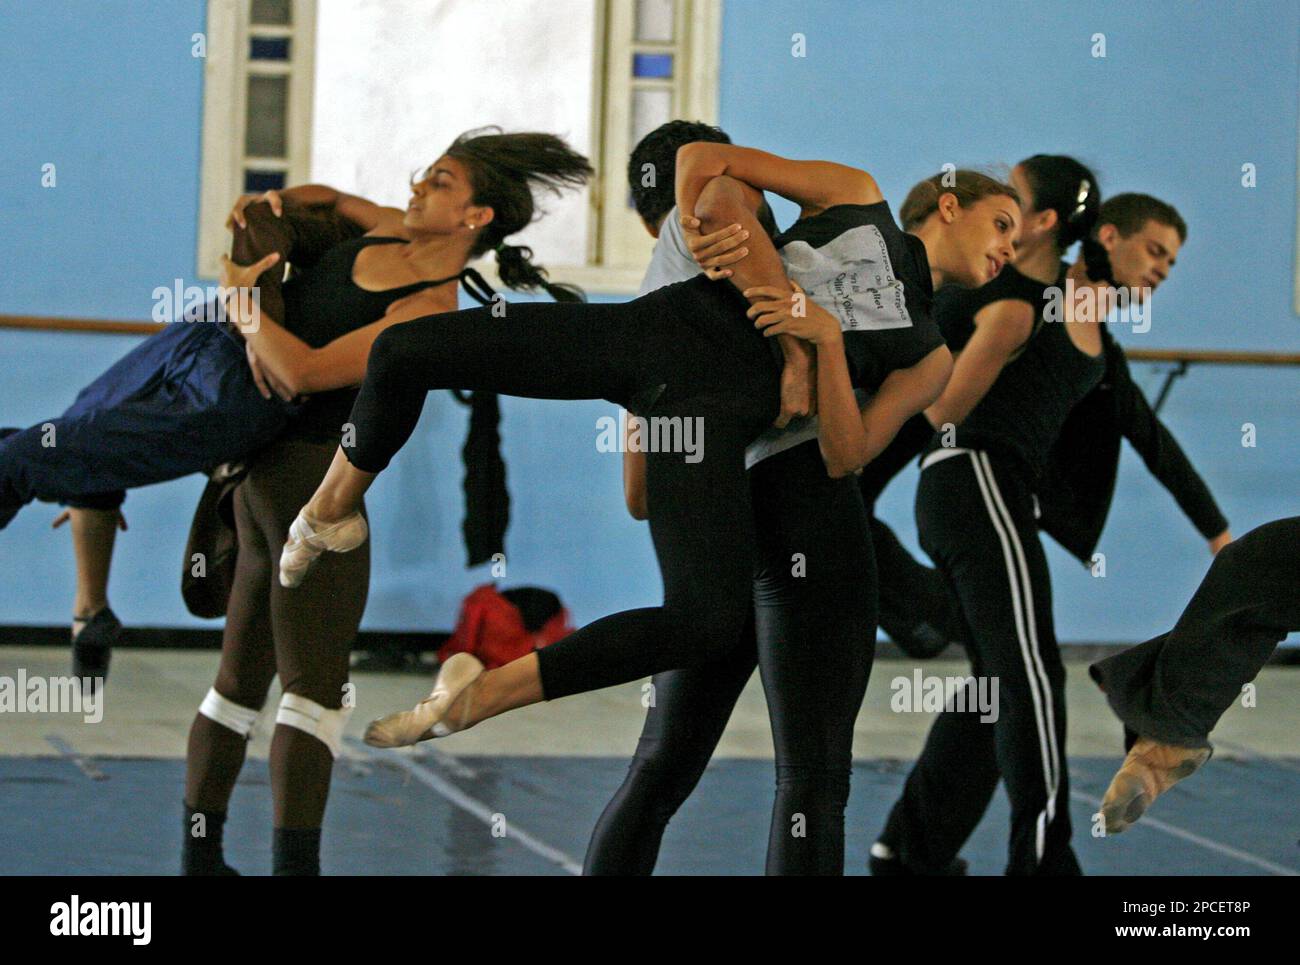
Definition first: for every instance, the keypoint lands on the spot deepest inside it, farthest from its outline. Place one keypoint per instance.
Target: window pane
(654, 20)
(258, 181)
(650, 108)
(267, 100)
(271, 12)
(375, 71)
(268, 48)
(652, 65)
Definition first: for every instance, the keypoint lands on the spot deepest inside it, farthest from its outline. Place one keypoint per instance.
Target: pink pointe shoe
(308, 538)
(428, 718)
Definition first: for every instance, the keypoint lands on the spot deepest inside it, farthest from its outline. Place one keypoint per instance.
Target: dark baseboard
(401, 647)
(195, 638)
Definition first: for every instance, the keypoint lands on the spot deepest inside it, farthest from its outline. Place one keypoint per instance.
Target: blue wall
(110, 93)
(1186, 94)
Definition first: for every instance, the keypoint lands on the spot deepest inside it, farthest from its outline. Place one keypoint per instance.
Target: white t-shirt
(671, 260)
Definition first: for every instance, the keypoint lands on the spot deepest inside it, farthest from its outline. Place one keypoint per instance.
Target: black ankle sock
(201, 852)
(295, 851)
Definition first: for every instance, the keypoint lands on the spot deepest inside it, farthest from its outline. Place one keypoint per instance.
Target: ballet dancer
(1078, 485)
(193, 397)
(976, 517)
(1171, 691)
(812, 627)
(698, 347)
(465, 204)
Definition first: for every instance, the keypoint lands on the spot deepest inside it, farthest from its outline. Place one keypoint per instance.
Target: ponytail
(504, 169)
(965, 185)
(516, 270)
(1068, 187)
(1096, 262)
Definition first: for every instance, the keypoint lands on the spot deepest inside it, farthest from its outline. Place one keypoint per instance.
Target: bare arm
(726, 201)
(903, 394)
(294, 364)
(634, 491)
(1000, 329)
(813, 185)
(365, 214)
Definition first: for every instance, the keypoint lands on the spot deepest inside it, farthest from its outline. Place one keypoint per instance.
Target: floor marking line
(80, 761)
(473, 805)
(1227, 850)
(448, 761)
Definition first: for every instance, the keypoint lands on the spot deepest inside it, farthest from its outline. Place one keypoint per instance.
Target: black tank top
(321, 303)
(1022, 413)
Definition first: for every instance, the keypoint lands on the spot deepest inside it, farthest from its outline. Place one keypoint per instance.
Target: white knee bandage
(228, 714)
(311, 718)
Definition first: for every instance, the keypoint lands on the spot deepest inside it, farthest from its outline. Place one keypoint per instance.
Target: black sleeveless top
(1022, 413)
(321, 303)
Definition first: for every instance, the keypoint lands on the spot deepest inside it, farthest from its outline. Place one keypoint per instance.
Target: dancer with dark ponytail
(691, 345)
(466, 203)
(985, 329)
(1078, 483)
(976, 515)
(195, 395)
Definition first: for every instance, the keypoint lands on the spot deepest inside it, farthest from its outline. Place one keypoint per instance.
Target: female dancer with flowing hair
(690, 351)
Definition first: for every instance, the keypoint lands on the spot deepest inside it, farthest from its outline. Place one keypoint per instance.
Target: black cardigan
(1076, 493)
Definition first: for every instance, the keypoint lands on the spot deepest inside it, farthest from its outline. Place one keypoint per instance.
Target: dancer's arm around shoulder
(365, 214)
(849, 438)
(813, 185)
(295, 365)
(719, 189)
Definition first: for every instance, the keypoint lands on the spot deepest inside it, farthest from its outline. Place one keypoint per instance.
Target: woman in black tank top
(466, 204)
(976, 516)
(986, 328)
(693, 345)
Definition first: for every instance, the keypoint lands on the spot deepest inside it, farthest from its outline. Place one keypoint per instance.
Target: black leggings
(914, 599)
(694, 340)
(812, 638)
(1176, 687)
(976, 521)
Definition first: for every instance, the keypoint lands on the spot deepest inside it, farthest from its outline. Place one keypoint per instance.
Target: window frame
(225, 91)
(618, 246)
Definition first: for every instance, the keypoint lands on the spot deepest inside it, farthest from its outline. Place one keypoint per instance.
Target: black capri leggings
(812, 636)
(719, 380)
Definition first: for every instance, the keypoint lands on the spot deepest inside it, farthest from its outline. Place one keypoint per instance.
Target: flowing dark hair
(1070, 188)
(503, 170)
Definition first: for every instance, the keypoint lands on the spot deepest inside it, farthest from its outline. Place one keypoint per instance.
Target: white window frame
(225, 95)
(618, 246)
